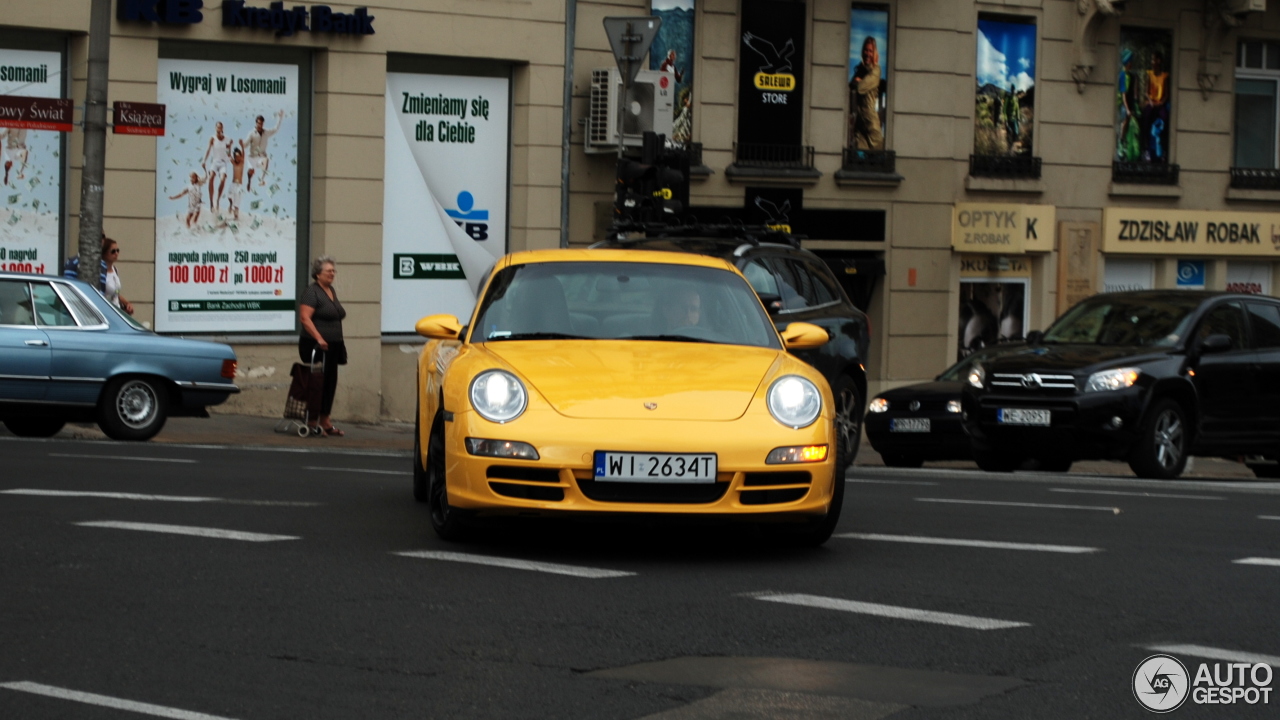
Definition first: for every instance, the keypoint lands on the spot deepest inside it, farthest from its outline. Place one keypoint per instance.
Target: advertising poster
(672, 51)
(1252, 278)
(444, 221)
(226, 197)
(1006, 92)
(868, 77)
(31, 164)
(1143, 107)
(991, 312)
(771, 76)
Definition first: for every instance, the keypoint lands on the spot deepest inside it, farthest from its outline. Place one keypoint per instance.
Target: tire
(902, 461)
(35, 427)
(817, 531)
(1054, 465)
(848, 416)
(419, 473)
(1161, 450)
(132, 408)
(446, 520)
(994, 461)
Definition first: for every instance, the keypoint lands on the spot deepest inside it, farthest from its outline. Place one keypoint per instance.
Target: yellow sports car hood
(630, 379)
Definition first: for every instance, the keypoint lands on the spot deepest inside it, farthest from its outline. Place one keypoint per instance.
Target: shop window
(1123, 274)
(868, 77)
(1144, 108)
(1004, 113)
(1256, 164)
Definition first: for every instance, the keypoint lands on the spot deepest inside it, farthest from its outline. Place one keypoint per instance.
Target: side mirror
(439, 327)
(1034, 337)
(804, 336)
(1217, 342)
(772, 302)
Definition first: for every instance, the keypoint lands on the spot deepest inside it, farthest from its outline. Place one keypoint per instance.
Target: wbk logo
(475, 223)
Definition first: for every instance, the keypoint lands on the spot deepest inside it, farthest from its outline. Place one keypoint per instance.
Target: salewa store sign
(235, 13)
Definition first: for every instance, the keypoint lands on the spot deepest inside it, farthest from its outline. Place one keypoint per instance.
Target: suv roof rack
(622, 233)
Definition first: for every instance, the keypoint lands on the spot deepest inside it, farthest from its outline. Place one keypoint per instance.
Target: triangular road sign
(630, 38)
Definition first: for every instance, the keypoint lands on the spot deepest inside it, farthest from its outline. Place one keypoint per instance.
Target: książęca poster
(31, 164)
(226, 197)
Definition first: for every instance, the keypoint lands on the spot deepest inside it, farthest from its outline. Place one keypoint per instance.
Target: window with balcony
(1255, 162)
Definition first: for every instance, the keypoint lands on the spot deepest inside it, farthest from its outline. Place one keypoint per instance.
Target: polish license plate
(1022, 416)
(655, 467)
(918, 425)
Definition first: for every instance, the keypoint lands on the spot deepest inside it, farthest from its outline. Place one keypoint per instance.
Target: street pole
(95, 141)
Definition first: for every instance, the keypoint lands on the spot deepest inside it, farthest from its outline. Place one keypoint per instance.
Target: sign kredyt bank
(235, 13)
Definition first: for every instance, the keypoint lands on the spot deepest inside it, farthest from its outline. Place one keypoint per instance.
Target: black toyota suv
(795, 286)
(1149, 377)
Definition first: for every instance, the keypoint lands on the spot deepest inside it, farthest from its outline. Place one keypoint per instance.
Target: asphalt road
(199, 582)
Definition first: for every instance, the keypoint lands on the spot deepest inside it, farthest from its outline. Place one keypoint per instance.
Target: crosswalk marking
(358, 470)
(989, 544)
(1271, 562)
(1269, 517)
(890, 611)
(554, 568)
(188, 530)
(889, 482)
(1135, 494)
(1211, 653)
(107, 701)
(124, 457)
(109, 495)
(1106, 508)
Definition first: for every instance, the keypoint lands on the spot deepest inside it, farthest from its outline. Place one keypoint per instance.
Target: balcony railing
(759, 155)
(870, 161)
(1255, 178)
(1013, 167)
(1141, 173)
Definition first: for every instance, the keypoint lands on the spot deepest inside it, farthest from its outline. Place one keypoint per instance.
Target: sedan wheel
(132, 409)
(445, 519)
(1161, 452)
(419, 473)
(848, 416)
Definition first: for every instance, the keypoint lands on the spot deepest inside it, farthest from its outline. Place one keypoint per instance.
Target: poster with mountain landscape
(672, 50)
(1006, 87)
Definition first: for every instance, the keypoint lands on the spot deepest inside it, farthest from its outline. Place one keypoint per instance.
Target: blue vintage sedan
(66, 354)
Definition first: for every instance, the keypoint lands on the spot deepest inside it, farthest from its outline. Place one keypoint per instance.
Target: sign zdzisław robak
(238, 13)
(1189, 232)
(32, 120)
(444, 219)
(227, 197)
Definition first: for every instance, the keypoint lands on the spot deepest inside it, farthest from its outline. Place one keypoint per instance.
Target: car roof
(626, 255)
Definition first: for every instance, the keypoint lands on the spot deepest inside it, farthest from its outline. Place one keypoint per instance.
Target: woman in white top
(111, 253)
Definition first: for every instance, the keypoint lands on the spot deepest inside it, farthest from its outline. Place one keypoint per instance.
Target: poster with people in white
(227, 197)
(444, 220)
(31, 165)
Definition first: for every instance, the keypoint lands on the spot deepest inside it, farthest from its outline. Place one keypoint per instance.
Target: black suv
(795, 286)
(1149, 377)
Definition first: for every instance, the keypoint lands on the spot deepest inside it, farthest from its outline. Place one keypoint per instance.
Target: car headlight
(878, 405)
(794, 401)
(1117, 379)
(977, 376)
(953, 406)
(498, 396)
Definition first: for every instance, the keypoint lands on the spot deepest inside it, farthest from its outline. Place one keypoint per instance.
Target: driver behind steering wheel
(679, 309)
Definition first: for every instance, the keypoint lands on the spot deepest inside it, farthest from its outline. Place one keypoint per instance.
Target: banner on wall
(1006, 91)
(771, 73)
(672, 51)
(445, 199)
(1143, 103)
(1189, 232)
(1122, 274)
(1003, 229)
(31, 163)
(227, 197)
(1248, 277)
(868, 76)
(993, 309)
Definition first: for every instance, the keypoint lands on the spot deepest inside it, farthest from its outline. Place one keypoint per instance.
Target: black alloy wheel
(848, 416)
(1161, 450)
(419, 473)
(132, 408)
(35, 427)
(898, 460)
(445, 519)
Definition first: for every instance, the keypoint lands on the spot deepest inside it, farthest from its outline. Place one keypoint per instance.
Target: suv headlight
(1117, 379)
(878, 405)
(977, 376)
(794, 401)
(498, 396)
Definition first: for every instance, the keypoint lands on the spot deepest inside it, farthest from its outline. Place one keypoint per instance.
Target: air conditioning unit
(1241, 7)
(648, 107)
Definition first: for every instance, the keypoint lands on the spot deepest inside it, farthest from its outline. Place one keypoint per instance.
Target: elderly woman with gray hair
(321, 314)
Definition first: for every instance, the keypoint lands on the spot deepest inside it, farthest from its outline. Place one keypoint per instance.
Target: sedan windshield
(1124, 321)
(622, 301)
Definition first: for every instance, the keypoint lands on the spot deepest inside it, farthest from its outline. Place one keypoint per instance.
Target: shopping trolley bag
(305, 391)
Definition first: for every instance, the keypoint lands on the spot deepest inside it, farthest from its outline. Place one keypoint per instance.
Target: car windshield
(1125, 321)
(622, 301)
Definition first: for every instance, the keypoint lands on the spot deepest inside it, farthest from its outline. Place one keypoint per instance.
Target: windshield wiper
(667, 338)
(537, 336)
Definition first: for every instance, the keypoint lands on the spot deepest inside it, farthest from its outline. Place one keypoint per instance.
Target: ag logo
(474, 222)
(1160, 683)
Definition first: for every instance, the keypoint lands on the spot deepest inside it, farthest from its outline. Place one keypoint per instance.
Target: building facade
(968, 169)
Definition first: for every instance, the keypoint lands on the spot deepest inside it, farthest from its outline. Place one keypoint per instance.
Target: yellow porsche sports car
(624, 381)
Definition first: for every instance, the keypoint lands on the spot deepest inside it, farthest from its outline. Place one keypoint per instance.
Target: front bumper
(561, 480)
(1081, 424)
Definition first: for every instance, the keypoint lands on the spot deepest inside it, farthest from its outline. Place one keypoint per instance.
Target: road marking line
(188, 530)
(106, 701)
(554, 568)
(124, 457)
(992, 544)
(891, 611)
(111, 495)
(1269, 517)
(358, 470)
(1271, 562)
(1210, 653)
(890, 482)
(1135, 494)
(1115, 510)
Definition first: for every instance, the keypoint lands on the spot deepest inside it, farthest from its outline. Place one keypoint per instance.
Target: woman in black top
(321, 316)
